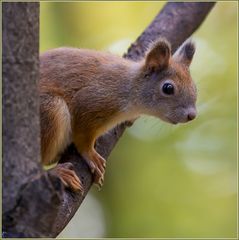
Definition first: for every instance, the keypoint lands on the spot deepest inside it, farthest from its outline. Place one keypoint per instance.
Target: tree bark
(30, 196)
(35, 204)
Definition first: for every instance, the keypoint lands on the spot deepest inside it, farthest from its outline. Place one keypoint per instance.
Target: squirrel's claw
(68, 177)
(97, 164)
(99, 180)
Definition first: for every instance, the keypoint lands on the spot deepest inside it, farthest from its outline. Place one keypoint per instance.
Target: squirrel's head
(169, 92)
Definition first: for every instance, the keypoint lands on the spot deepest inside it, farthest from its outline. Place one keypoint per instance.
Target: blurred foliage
(161, 180)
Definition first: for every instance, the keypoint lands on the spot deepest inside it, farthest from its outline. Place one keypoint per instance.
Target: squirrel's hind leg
(55, 136)
(55, 127)
(68, 176)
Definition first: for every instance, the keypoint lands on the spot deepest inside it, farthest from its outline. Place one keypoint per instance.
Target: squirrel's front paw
(97, 166)
(68, 176)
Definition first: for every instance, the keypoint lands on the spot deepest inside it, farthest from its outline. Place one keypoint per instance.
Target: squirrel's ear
(185, 53)
(158, 56)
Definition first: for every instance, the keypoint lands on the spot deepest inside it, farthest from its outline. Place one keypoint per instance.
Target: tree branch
(43, 199)
(176, 22)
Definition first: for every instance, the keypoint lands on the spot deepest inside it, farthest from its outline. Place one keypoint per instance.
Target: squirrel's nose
(191, 114)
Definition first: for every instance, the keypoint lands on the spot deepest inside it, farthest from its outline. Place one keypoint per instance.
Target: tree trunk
(35, 204)
(28, 193)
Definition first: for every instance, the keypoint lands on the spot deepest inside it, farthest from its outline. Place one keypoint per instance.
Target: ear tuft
(158, 56)
(185, 53)
(189, 50)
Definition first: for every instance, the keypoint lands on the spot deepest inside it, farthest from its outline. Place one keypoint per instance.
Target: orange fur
(84, 93)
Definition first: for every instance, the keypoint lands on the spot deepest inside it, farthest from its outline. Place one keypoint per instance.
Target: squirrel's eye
(168, 88)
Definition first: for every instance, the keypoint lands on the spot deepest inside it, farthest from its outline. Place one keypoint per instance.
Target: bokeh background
(161, 180)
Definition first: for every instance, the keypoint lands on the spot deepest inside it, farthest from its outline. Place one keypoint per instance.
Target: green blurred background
(161, 180)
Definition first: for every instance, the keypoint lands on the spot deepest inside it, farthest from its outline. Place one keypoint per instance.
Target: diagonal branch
(176, 22)
(35, 203)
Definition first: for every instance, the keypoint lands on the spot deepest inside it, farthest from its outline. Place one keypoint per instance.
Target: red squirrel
(84, 93)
